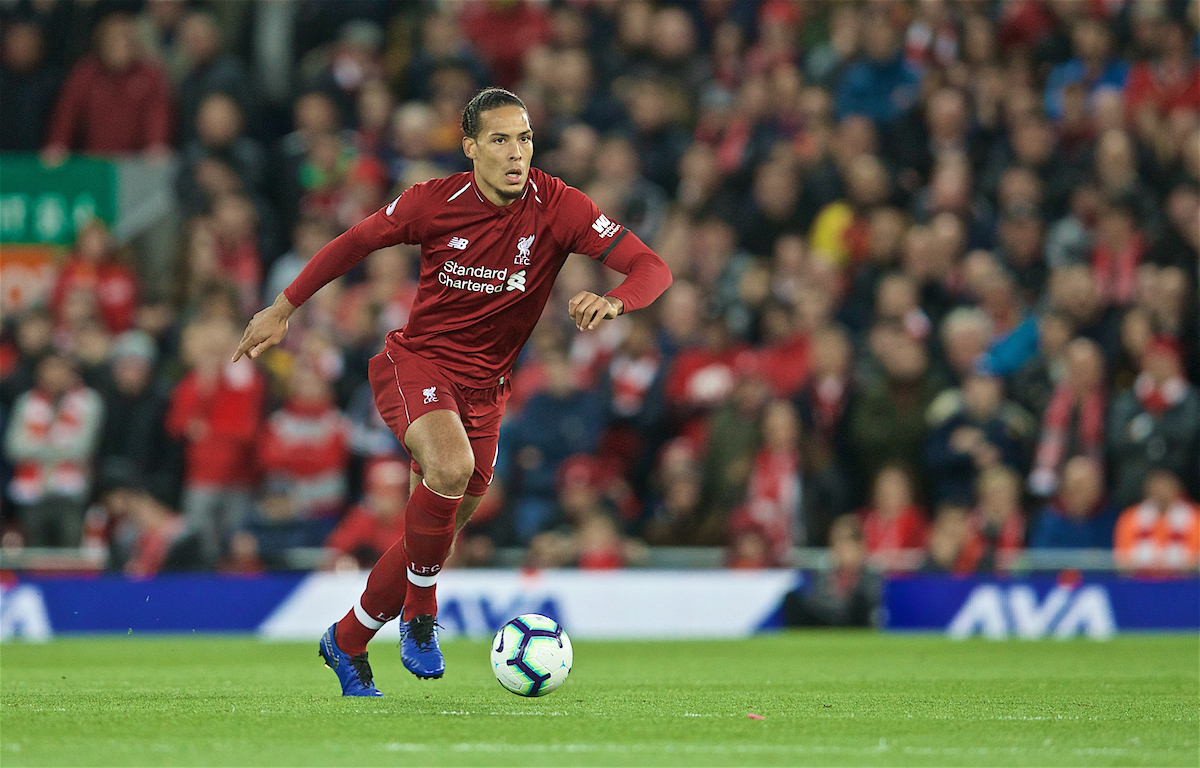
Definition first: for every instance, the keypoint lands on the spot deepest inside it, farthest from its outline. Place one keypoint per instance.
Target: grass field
(828, 699)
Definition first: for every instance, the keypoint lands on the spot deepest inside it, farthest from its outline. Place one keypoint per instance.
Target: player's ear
(469, 147)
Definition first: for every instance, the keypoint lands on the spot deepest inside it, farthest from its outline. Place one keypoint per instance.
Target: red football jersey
(486, 271)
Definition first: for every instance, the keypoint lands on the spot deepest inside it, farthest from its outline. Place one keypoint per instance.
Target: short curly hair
(487, 99)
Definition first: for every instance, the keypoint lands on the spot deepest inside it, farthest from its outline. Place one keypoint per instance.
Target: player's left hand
(588, 309)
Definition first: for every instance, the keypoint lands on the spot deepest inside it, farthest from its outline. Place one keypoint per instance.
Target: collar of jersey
(508, 209)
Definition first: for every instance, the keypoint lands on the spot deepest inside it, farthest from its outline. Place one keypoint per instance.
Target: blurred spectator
(888, 420)
(654, 116)
(823, 406)
(881, 84)
(676, 517)
(216, 410)
(1169, 81)
(632, 387)
(1156, 424)
(209, 70)
(728, 461)
(28, 85)
(1079, 517)
(93, 270)
(776, 207)
(893, 523)
(33, 339)
(1091, 67)
(503, 32)
(218, 139)
(238, 258)
(373, 526)
(587, 535)
(303, 446)
(965, 333)
(113, 101)
(1033, 385)
(149, 537)
(998, 520)
(1161, 534)
(309, 236)
(341, 67)
(971, 430)
(773, 495)
(952, 546)
(638, 202)
(1118, 252)
(134, 441)
(1073, 423)
(442, 43)
(51, 441)
(314, 115)
(845, 595)
(557, 423)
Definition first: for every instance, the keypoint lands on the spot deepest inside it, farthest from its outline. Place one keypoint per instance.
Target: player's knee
(450, 476)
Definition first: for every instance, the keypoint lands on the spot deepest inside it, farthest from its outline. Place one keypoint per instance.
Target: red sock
(380, 602)
(428, 536)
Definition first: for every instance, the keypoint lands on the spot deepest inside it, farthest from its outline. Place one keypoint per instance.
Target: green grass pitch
(827, 699)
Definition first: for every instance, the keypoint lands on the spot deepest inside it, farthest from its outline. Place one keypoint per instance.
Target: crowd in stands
(935, 287)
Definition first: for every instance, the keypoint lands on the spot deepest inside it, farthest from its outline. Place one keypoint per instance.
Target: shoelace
(421, 631)
(361, 668)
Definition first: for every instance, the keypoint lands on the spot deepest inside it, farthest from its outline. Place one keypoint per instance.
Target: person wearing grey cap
(133, 439)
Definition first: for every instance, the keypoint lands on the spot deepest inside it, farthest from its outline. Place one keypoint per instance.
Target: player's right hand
(265, 330)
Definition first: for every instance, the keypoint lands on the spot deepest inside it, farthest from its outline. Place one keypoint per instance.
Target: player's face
(502, 153)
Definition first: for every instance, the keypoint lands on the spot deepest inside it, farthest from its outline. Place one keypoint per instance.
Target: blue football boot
(354, 672)
(419, 647)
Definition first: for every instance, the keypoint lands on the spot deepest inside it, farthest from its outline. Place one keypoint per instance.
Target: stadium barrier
(593, 605)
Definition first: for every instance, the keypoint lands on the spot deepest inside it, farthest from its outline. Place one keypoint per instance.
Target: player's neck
(491, 193)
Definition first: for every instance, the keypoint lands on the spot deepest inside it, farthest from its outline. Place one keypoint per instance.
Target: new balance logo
(430, 394)
(516, 281)
(523, 247)
(460, 243)
(605, 226)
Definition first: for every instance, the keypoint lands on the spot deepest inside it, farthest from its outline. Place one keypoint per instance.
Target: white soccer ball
(531, 655)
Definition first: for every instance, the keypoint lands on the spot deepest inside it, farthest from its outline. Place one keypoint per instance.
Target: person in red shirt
(492, 242)
(1159, 536)
(374, 526)
(113, 102)
(894, 524)
(216, 410)
(305, 446)
(93, 270)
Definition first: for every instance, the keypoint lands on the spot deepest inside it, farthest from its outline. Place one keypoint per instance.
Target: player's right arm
(398, 222)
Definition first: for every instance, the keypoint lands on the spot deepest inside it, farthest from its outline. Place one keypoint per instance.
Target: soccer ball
(531, 655)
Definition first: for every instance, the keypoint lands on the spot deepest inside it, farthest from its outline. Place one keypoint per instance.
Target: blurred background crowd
(935, 292)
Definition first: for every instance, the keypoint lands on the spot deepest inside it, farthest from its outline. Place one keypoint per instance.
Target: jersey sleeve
(401, 221)
(588, 231)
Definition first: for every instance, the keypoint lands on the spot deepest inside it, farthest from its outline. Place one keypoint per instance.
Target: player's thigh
(438, 442)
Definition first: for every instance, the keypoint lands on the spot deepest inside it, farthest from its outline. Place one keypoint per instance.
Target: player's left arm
(591, 232)
(646, 277)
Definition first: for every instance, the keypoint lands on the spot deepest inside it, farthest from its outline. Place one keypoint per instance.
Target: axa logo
(430, 394)
(516, 281)
(998, 613)
(605, 226)
(524, 245)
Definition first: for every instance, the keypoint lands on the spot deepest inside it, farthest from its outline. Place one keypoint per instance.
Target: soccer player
(492, 239)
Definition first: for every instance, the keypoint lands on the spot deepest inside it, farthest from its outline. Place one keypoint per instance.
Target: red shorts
(408, 386)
